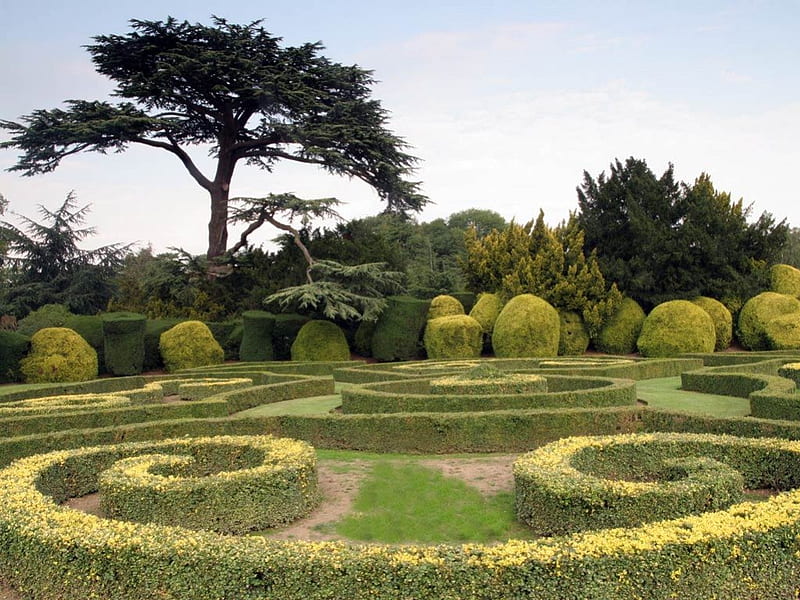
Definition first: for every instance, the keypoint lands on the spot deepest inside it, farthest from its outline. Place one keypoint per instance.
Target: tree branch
(182, 155)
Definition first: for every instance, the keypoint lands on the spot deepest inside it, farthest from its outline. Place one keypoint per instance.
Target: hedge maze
(645, 507)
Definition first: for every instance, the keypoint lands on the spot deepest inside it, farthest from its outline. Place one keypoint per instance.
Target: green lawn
(666, 393)
(409, 503)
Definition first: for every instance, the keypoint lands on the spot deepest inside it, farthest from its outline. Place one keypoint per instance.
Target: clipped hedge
(784, 279)
(266, 482)
(320, 341)
(783, 332)
(444, 306)
(48, 315)
(152, 337)
(455, 336)
(399, 329)
(123, 342)
(189, 344)
(58, 354)
(760, 310)
(13, 348)
(590, 483)
(573, 337)
(527, 326)
(286, 329)
(90, 328)
(416, 395)
(228, 335)
(619, 334)
(676, 327)
(257, 329)
(721, 316)
(486, 310)
(691, 557)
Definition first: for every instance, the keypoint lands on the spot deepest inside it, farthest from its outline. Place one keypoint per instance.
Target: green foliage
(784, 279)
(444, 306)
(527, 326)
(660, 240)
(467, 300)
(453, 336)
(549, 263)
(399, 329)
(123, 335)
(46, 266)
(362, 339)
(58, 354)
(573, 338)
(340, 291)
(676, 327)
(286, 328)
(723, 321)
(49, 315)
(486, 310)
(188, 345)
(320, 341)
(257, 328)
(619, 334)
(760, 310)
(90, 328)
(13, 348)
(783, 332)
(152, 337)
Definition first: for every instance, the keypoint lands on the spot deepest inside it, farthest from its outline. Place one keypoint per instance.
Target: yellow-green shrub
(785, 279)
(573, 338)
(676, 327)
(620, 332)
(721, 316)
(486, 310)
(58, 354)
(527, 326)
(320, 341)
(444, 306)
(189, 344)
(760, 310)
(453, 336)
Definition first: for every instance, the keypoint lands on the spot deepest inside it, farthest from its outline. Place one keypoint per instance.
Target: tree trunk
(218, 225)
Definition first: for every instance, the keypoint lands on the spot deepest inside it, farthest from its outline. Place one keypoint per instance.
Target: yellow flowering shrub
(58, 354)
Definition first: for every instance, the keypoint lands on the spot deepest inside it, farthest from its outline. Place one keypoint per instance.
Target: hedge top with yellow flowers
(36, 532)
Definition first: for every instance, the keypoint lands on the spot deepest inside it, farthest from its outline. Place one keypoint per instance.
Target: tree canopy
(660, 239)
(235, 89)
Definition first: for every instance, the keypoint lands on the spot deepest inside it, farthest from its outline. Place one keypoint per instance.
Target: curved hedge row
(415, 395)
(49, 551)
(264, 482)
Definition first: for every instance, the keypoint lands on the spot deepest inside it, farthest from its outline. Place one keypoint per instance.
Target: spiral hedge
(738, 550)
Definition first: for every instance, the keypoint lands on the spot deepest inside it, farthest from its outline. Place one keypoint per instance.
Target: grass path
(666, 393)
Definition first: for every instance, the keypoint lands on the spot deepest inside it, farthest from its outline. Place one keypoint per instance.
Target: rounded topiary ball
(486, 310)
(676, 327)
(573, 339)
(783, 333)
(785, 279)
(527, 326)
(320, 341)
(721, 316)
(188, 345)
(58, 355)
(619, 334)
(444, 306)
(454, 336)
(760, 310)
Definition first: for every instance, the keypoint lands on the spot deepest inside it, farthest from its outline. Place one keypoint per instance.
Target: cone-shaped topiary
(723, 322)
(320, 340)
(13, 348)
(258, 326)
(573, 339)
(123, 342)
(453, 336)
(189, 344)
(58, 355)
(676, 327)
(527, 326)
(785, 279)
(486, 310)
(619, 334)
(444, 306)
(757, 312)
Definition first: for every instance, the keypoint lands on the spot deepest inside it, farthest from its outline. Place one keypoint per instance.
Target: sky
(505, 103)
